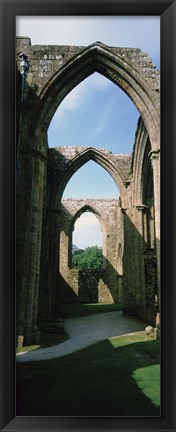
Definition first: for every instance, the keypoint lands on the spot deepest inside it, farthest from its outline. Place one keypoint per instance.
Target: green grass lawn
(71, 310)
(116, 377)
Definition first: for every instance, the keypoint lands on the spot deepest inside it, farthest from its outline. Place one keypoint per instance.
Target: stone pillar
(140, 226)
(64, 247)
(155, 159)
(134, 280)
(152, 228)
(35, 251)
(53, 257)
(30, 190)
(129, 259)
(145, 222)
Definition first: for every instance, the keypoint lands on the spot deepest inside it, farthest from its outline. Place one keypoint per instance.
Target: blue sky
(96, 113)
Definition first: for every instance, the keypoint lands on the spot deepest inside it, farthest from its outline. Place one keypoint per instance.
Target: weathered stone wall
(53, 71)
(150, 279)
(63, 162)
(145, 198)
(132, 263)
(89, 286)
(108, 280)
(46, 60)
(61, 157)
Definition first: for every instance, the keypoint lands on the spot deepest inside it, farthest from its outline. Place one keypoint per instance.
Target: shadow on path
(86, 331)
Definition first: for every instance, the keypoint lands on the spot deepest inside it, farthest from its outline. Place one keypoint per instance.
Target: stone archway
(115, 64)
(86, 208)
(53, 73)
(107, 278)
(64, 162)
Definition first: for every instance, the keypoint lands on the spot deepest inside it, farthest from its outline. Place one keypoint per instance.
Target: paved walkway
(86, 331)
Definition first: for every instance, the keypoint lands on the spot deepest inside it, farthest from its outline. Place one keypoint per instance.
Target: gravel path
(86, 331)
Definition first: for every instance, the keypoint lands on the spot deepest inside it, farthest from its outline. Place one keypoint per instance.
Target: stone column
(134, 256)
(129, 259)
(145, 222)
(30, 190)
(35, 235)
(155, 159)
(53, 257)
(140, 253)
(64, 247)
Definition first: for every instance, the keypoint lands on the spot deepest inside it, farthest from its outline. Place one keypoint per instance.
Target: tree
(90, 258)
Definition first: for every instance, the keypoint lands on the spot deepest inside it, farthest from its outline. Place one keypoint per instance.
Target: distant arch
(79, 160)
(86, 208)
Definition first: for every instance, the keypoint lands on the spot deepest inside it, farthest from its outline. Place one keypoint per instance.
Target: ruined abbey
(45, 221)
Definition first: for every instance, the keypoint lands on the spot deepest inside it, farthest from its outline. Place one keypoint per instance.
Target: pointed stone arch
(96, 155)
(87, 208)
(134, 73)
(134, 81)
(111, 220)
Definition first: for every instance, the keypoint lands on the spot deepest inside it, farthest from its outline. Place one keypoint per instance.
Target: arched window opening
(91, 181)
(87, 242)
(95, 114)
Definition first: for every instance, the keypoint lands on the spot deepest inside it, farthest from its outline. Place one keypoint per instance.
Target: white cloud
(87, 218)
(74, 99)
(72, 102)
(77, 97)
(87, 231)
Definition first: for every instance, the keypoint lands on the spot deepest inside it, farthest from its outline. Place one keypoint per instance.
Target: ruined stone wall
(63, 162)
(108, 280)
(53, 71)
(60, 157)
(45, 60)
(144, 199)
(129, 224)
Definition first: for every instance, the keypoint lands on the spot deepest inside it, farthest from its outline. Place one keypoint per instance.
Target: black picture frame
(166, 9)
